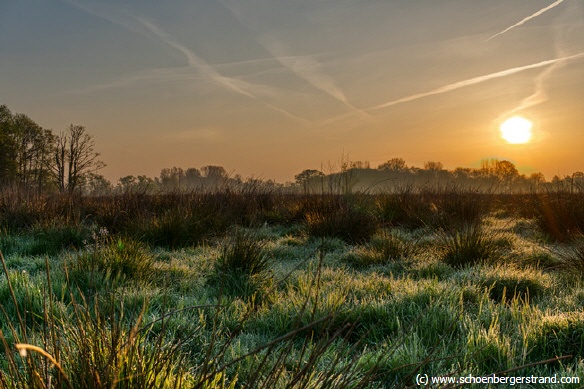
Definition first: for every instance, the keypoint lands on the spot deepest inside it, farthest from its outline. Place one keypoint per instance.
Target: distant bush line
(180, 219)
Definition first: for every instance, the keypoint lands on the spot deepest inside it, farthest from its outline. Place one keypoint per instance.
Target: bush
(335, 216)
(560, 215)
(571, 257)
(406, 209)
(456, 207)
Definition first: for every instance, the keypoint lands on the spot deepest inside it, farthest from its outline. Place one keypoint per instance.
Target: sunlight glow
(516, 130)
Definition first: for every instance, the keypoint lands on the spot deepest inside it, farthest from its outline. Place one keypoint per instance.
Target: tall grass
(345, 217)
(560, 214)
(100, 345)
(160, 300)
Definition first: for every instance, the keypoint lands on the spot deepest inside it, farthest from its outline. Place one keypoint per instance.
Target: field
(263, 289)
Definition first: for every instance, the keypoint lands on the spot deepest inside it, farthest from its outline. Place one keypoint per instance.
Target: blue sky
(271, 87)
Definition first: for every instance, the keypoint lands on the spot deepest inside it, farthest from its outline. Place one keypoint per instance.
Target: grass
(470, 246)
(243, 267)
(263, 296)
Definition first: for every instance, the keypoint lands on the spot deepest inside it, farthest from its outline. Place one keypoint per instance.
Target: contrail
(195, 62)
(539, 95)
(236, 85)
(305, 67)
(541, 11)
(476, 80)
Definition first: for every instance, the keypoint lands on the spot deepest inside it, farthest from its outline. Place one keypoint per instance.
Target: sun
(516, 130)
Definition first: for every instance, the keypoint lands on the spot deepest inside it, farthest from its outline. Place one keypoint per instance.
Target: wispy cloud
(476, 80)
(233, 84)
(309, 69)
(146, 28)
(305, 67)
(525, 20)
(539, 94)
(162, 75)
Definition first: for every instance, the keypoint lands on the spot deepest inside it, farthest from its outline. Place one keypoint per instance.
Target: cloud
(205, 70)
(475, 80)
(306, 67)
(539, 95)
(525, 20)
(233, 84)
(164, 75)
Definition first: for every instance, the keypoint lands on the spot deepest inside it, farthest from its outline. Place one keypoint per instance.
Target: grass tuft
(470, 246)
(243, 266)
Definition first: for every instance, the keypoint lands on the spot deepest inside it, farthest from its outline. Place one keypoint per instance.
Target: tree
(214, 175)
(535, 180)
(433, 166)
(214, 172)
(304, 177)
(98, 185)
(7, 146)
(132, 184)
(397, 164)
(33, 149)
(172, 178)
(505, 170)
(74, 158)
(25, 150)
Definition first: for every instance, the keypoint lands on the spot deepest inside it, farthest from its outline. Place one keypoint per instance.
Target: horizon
(269, 89)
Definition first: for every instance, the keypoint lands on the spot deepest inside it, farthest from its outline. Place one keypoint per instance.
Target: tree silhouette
(74, 157)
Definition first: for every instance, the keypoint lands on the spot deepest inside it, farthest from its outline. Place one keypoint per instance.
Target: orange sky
(268, 88)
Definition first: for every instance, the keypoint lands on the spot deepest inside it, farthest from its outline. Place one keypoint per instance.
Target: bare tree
(74, 157)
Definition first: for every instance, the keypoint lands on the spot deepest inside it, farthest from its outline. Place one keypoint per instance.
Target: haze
(269, 88)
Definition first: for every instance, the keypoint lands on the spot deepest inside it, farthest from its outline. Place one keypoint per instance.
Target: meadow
(258, 288)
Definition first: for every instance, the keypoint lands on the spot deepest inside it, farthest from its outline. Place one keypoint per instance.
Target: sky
(268, 88)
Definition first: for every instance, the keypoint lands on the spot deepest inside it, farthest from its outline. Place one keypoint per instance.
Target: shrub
(335, 216)
(560, 215)
(456, 207)
(571, 257)
(405, 208)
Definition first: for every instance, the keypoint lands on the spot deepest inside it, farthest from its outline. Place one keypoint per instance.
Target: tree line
(35, 158)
